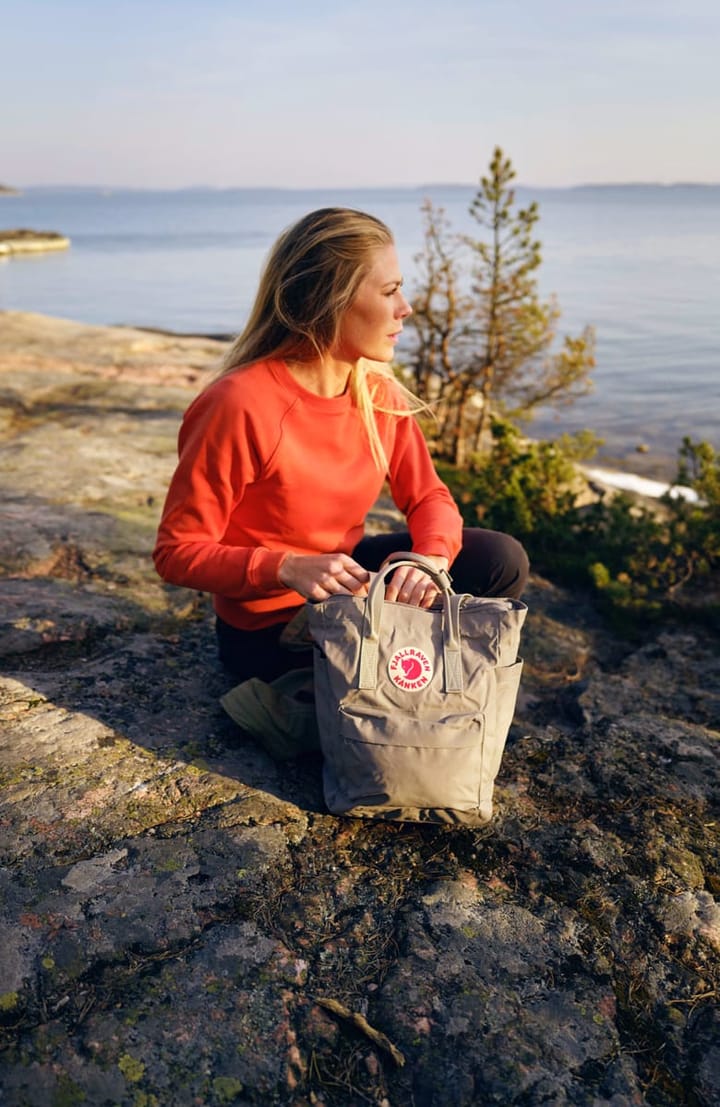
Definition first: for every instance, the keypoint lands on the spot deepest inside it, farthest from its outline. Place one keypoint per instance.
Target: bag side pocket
(507, 683)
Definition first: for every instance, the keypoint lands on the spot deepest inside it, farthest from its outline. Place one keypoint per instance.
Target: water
(641, 264)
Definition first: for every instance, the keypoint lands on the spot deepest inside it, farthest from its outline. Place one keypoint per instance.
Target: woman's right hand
(317, 576)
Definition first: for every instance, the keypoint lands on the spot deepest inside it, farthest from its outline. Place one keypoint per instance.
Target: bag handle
(441, 576)
(374, 604)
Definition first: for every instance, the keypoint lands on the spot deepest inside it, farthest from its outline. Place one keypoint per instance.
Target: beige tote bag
(414, 705)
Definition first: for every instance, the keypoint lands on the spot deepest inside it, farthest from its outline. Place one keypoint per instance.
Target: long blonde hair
(310, 278)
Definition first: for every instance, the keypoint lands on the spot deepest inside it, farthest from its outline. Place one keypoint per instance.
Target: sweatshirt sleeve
(433, 519)
(217, 460)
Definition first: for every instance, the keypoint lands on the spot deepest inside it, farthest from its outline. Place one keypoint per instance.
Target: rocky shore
(181, 922)
(23, 241)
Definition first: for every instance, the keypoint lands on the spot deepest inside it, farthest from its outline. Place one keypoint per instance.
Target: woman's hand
(411, 585)
(317, 576)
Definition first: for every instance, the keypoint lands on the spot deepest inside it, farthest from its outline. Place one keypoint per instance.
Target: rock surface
(23, 241)
(175, 907)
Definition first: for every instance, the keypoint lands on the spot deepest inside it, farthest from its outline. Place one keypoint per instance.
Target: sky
(321, 93)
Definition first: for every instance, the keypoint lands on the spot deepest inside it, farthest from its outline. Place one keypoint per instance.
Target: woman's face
(372, 324)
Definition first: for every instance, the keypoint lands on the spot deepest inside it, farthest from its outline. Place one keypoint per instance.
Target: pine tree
(490, 353)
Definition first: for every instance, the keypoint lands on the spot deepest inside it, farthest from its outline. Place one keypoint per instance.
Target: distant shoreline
(165, 333)
(589, 186)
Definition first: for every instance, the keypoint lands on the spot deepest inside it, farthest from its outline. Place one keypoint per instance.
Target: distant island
(7, 190)
(635, 190)
(23, 241)
(444, 186)
(646, 184)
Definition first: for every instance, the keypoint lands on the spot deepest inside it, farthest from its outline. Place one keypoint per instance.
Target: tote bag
(414, 705)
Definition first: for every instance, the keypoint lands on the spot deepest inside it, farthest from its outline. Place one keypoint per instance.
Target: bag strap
(369, 644)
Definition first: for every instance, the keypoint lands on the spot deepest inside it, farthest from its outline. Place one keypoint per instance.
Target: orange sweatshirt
(266, 467)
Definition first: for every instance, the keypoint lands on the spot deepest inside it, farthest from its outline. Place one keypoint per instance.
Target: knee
(492, 563)
(518, 564)
(512, 565)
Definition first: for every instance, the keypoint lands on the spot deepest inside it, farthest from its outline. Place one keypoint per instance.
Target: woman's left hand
(411, 585)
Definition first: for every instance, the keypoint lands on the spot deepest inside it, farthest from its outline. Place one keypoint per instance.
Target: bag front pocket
(376, 759)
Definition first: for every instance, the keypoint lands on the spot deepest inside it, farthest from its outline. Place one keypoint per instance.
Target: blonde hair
(311, 277)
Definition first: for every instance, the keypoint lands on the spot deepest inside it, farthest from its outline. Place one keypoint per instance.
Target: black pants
(489, 564)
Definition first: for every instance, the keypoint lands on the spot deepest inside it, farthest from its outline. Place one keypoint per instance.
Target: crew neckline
(328, 404)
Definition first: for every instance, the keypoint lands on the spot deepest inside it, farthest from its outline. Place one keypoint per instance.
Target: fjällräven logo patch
(410, 669)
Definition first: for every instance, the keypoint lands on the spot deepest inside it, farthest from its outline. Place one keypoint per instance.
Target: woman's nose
(404, 308)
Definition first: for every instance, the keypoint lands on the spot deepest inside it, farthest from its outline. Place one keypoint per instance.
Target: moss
(132, 1069)
(21, 774)
(146, 1099)
(676, 1017)
(169, 865)
(227, 1088)
(67, 1093)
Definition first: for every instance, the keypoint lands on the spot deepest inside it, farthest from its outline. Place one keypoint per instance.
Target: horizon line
(10, 190)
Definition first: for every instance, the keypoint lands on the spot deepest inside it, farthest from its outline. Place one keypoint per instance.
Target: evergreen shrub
(638, 559)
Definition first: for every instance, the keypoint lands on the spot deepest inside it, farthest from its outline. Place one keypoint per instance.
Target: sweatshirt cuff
(437, 547)
(264, 568)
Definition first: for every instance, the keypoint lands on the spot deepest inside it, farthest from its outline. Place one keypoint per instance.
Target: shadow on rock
(112, 714)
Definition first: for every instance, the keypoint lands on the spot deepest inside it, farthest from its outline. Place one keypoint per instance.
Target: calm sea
(639, 263)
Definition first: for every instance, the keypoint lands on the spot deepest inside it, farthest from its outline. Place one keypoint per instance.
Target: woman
(284, 454)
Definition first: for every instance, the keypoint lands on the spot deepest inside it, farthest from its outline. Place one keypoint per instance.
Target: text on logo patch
(410, 669)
